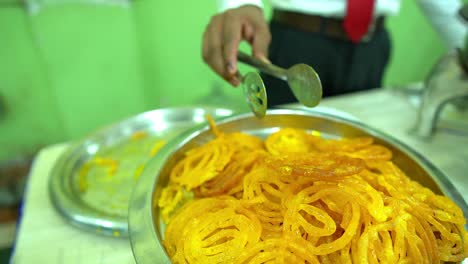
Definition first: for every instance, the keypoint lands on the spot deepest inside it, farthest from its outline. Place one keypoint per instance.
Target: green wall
(70, 69)
(416, 46)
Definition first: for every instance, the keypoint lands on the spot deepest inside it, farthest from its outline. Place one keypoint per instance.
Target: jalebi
(299, 198)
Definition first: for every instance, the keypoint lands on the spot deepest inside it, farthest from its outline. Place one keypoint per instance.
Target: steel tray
(63, 185)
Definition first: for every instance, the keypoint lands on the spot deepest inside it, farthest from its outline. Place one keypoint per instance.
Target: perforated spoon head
(255, 93)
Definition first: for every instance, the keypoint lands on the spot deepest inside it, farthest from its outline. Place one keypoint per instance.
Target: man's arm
(228, 4)
(443, 15)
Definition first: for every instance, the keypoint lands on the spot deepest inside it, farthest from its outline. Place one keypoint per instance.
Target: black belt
(331, 27)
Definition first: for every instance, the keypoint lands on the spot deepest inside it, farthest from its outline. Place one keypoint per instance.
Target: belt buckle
(370, 32)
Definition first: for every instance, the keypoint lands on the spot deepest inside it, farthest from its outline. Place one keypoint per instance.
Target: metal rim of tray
(62, 191)
(144, 238)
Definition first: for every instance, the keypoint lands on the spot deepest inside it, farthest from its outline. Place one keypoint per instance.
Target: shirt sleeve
(228, 4)
(443, 15)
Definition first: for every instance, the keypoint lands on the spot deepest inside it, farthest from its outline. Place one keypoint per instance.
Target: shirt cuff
(443, 15)
(228, 4)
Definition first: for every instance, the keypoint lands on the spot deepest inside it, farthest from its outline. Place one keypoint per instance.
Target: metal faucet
(446, 83)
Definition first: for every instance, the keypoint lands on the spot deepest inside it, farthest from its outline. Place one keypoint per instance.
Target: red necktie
(358, 17)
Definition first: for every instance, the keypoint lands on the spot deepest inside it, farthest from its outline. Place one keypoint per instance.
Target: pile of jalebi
(300, 198)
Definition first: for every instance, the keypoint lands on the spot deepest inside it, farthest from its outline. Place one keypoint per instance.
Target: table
(45, 237)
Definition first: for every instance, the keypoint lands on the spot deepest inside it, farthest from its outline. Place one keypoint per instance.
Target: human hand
(225, 32)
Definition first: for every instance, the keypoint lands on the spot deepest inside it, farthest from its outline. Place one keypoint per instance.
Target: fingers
(212, 49)
(248, 33)
(225, 32)
(261, 41)
(231, 39)
(212, 52)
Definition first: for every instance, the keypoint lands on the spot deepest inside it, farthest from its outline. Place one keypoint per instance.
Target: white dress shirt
(442, 14)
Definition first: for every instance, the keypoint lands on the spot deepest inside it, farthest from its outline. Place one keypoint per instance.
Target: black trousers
(343, 67)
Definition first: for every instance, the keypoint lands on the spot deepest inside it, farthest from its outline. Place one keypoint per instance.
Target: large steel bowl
(145, 225)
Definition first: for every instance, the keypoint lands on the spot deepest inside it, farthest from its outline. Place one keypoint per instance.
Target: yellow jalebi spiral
(316, 166)
(211, 230)
(318, 230)
(264, 192)
(289, 140)
(203, 163)
(230, 179)
(276, 250)
(172, 197)
(344, 145)
(300, 198)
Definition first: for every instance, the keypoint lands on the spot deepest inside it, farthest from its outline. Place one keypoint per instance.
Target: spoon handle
(267, 68)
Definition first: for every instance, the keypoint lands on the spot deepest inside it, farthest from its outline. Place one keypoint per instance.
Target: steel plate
(145, 225)
(104, 209)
